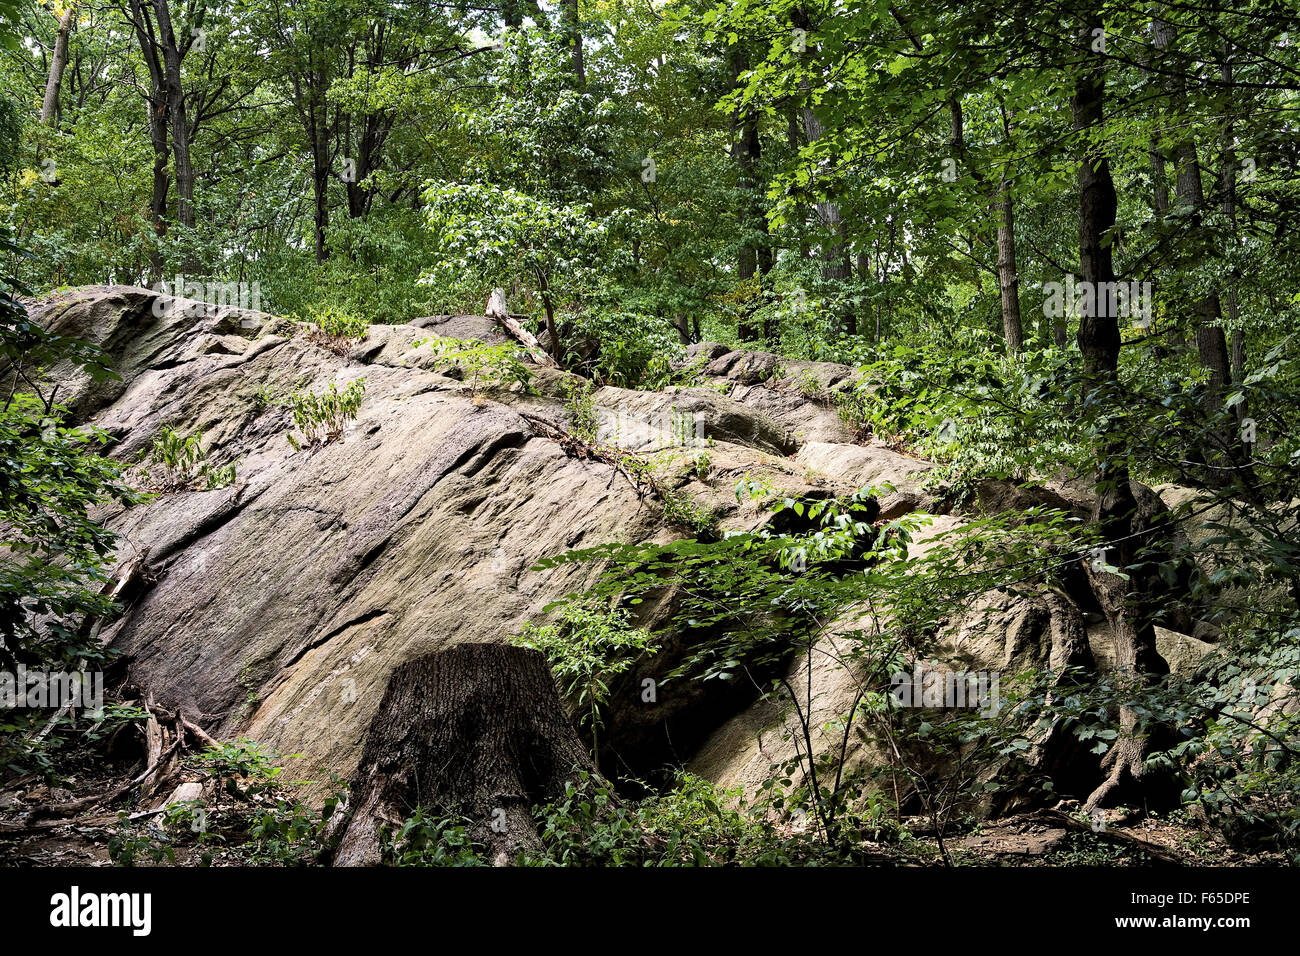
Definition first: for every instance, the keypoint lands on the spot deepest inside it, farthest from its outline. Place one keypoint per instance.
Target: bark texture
(1116, 510)
(58, 63)
(477, 729)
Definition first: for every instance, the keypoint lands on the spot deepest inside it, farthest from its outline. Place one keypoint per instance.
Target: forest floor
(1043, 838)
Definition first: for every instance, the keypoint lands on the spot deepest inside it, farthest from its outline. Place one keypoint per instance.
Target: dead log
(1159, 855)
(476, 729)
(198, 733)
(84, 803)
(496, 310)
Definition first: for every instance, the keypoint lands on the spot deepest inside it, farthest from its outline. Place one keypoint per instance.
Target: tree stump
(476, 729)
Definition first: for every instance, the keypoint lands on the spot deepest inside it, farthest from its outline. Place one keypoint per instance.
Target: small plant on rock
(321, 417)
(177, 462)
(486, 366)
(338, 330)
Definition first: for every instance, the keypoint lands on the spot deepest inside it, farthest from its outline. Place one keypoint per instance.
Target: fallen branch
(496, 310)
(1158, 853)
(85, 803)
(643, 479)
(198, 733)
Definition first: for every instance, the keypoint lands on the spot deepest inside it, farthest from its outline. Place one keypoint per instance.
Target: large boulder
(280, 606)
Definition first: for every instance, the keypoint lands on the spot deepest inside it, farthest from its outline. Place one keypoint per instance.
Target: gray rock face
(279, 606)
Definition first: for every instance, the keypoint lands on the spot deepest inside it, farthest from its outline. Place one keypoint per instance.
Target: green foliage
(339, 329)
(321, 417)
(488, 366)
(587, 649)
(702, 467)
(426, 839)
(581, 408)
(683, 512)
(690, 824)
(255, 820)
(240, 759)
(1241, 766)
(183, 463)
(62, 748)
(56, 558)
(128, 845)
(488, 234)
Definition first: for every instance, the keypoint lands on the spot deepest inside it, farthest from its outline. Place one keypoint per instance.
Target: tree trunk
(1099, 342)
(1210, 340)
(161, 186)
(58, 63)
(1008, 276)
(184, 167)
(476, 729)
(754, 256)
(836, 266)
(1228, 180)
(320, 174)
(156, 103)
(1008, 280)
(573, 36)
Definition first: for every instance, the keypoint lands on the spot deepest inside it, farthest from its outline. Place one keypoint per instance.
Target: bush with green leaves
(56, 559)
(581, 408)
(691, 823)
(321, 417)
(587, 648)
(491, 234)
(433, 839)
(337, 328)
(255, 819)
(751, 602)
(486, 365)
(177, 462)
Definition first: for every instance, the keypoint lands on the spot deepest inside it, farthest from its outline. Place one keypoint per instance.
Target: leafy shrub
(426, 839)
(586, 649)
(581, 408)
(338, 329)
(491, 366)
(183, 462)
(56, 558)
(321, 417)
(257, 820)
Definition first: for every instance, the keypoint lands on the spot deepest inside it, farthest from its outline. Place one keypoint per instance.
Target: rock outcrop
(279, 606)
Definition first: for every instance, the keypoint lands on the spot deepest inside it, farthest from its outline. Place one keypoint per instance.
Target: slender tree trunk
(573, 36)
(161, 185)
(793, 138)
(1159, 179)
(836, 266)
(157, 105)
(173, 56)
(1115, 510)
(1008, 274)
(320, 161)
(754, 255)
(1210, 340)
(58, 63)
(1008, 280)
(1228, 182)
